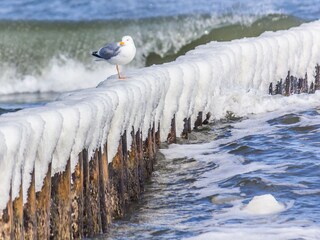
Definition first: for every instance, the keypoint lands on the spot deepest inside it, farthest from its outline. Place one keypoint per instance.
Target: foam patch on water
(264, 204)
(260, 233)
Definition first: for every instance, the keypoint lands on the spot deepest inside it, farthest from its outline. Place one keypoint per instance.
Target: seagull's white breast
(126, 54)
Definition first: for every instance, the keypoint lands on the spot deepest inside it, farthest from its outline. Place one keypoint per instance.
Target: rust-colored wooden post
(6, 221)
(146, 158)
(43, 207)
(149, 154)
(92, 224)
(154, 141)
(198, 122)
(151, 151)
(133, 169)
(157, 136)
(104, 188)
(87, 213)
(140, 156)
(60, 214)
(116, 183)
(29, 211)
(125, 168)
(17, 207)
(77, 200)
(172, 137)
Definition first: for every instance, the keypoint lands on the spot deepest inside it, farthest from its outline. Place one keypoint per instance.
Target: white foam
(260, 233)
(264, 204)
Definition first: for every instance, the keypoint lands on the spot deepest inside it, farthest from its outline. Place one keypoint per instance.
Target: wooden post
(172, 137)
(287, 85)
(300, 85)
(77, 200)
(198, 122)
(6, 221)
(157, 136)
(206, 121)
(149, 154)
(61, 204)
(311, 89)
(43, 207)
(317, 78)
(125, 168)
(116, 183)
(185, 131)
(140, 156)
(154, 145)
(305, 84)
(17, 206)
(29, 211)
(133, 170)
(92, 218)
(104, 188)
(270, 89)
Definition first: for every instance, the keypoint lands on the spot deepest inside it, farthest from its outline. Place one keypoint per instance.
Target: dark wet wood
(186, 128)
(206, 121)
(172, 137)
(125, 157)
(198, 122)
(317, 78)
(293, 85)
(141, 162)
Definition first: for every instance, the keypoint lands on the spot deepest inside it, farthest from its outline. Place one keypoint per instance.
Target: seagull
(119, 53)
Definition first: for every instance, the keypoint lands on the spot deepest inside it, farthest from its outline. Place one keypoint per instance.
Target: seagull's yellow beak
(121, 43)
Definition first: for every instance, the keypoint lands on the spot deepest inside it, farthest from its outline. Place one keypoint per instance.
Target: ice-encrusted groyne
(70, 166)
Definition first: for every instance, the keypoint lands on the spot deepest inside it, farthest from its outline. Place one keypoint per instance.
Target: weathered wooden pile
(83, 203)
(292, 85)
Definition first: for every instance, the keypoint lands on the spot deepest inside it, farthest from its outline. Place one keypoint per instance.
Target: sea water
(46, 46)
(250, 177)
(256, 177)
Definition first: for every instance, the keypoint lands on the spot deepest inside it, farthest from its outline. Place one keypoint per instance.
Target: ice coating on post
(216, 78)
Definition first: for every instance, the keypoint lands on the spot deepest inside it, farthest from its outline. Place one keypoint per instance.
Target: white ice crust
(215, 77)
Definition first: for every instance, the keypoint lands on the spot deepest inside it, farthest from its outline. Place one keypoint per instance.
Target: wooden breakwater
(68, 168)
(293, 85)
(84, 203)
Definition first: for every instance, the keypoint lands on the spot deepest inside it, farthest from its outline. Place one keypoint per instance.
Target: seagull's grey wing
(109, 51)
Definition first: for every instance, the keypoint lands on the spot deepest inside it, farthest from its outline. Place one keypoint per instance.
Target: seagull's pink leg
(119, 72)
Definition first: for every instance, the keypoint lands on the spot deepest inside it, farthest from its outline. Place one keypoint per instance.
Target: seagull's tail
(95, 53)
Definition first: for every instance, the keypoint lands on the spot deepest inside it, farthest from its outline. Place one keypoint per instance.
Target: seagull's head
(126, 40)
